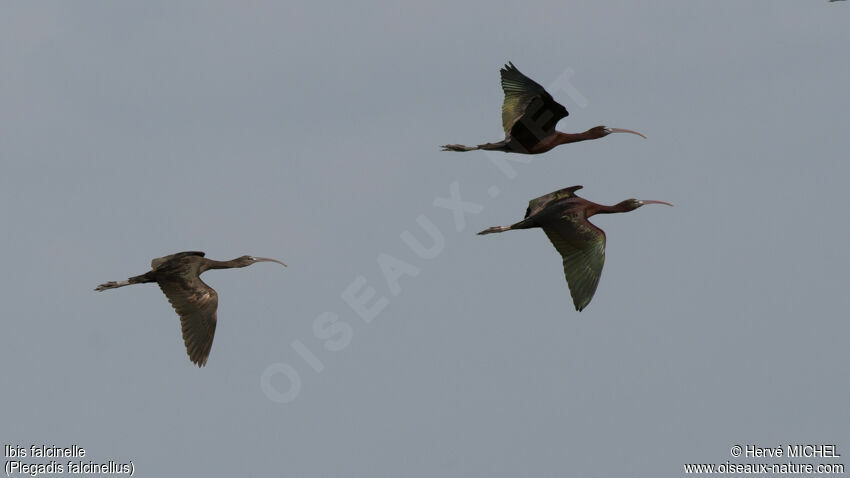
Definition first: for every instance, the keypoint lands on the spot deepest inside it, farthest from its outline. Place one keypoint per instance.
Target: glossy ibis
(178, 275)
(563, 216)
(529, 116)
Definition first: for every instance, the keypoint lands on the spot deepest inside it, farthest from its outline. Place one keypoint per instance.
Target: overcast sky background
(310, 133)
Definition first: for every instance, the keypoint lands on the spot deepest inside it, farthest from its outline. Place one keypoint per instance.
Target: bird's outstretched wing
(529, 113)
(582, 247)
(162, 260)
(196, 303)
(537, 204)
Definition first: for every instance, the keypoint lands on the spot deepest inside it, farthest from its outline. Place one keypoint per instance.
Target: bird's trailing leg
(146, 277)
(500, 146)
(457, 147)
(112, 285)
(494, 229)
(524, 224)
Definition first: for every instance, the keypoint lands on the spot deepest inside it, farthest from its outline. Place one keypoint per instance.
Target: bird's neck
(556, 139)
(218, 265)
(211, 264)
(565, 138)
(594, 208)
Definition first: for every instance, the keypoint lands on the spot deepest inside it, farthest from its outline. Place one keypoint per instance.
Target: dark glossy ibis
(563, 216)
(529, 116)
(178, 275)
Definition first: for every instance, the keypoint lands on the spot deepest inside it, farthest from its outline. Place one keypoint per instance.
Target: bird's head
(248, 260)
(632, 204)
(602, 131)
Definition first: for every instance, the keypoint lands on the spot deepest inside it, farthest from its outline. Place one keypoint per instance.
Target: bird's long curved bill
(649, 201)
(621, 130)
(266, 259)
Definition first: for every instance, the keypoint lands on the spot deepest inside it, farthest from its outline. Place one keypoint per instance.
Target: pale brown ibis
(529, 116)
(178, 275)
(563, 216)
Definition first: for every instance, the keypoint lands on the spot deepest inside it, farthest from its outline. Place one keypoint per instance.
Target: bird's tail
(146, 277)
(500, 146)
(494, 229)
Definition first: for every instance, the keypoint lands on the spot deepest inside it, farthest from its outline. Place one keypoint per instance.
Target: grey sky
(310, 133)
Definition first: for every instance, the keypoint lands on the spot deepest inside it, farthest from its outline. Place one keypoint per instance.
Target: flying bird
(178, 275)
(529, 116)
(563, 216)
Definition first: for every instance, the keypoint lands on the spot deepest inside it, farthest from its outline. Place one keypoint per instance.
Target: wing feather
(538, 204)
(527, 108)
(582, 247)
(196, 304)
(162, 260)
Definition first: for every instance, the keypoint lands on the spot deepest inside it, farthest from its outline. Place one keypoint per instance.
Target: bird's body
(563, 216)
(178, 276)
(529, 116)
